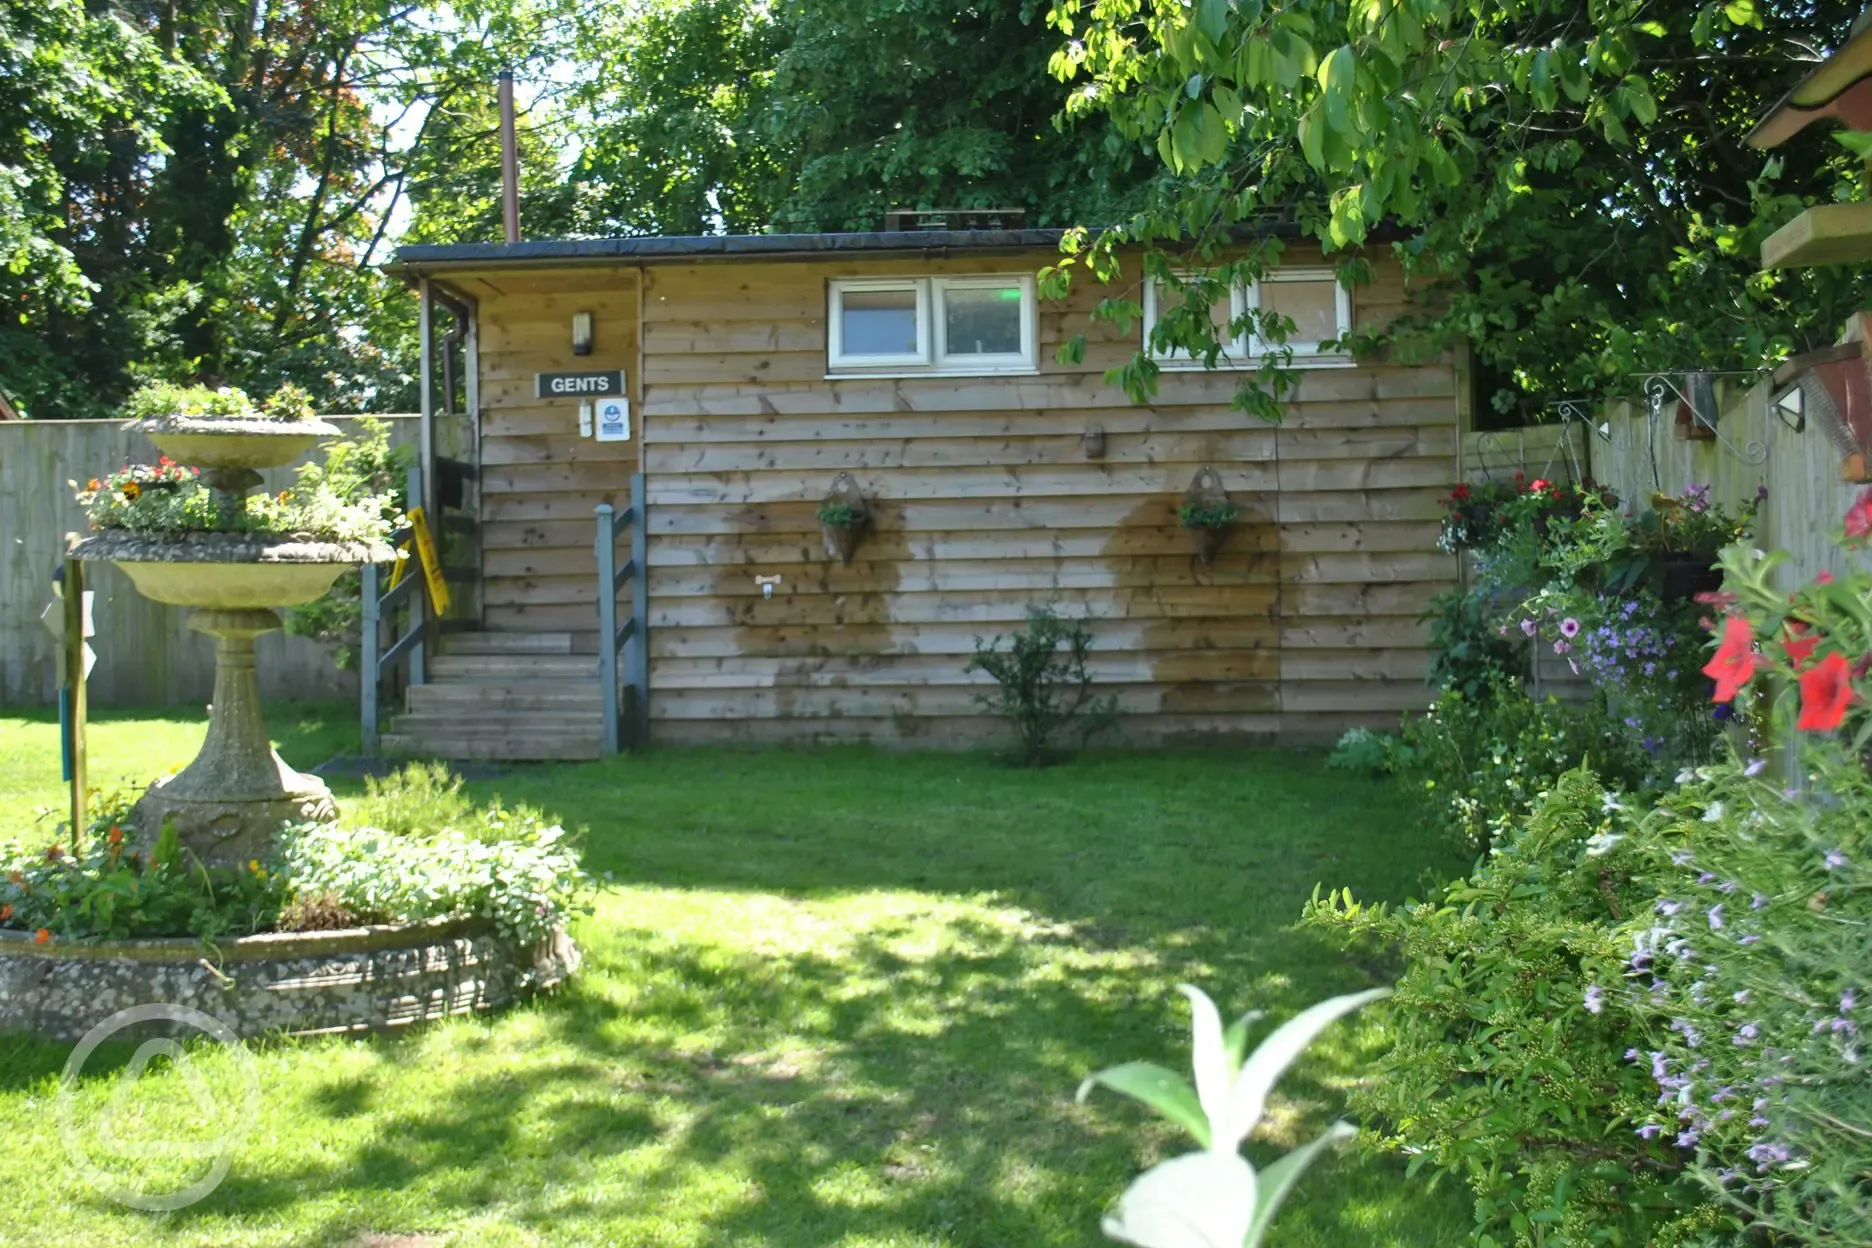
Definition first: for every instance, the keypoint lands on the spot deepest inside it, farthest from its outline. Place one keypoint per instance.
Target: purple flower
(1741, 998)
(1849, 1000)
(1708, 877)
(1569, 627)
(1728, 886)
(1529, 627)
(1748, 940)
(1758, 900)
(1595, 999)
(1834, 860)
(1688, 1139)
(1716, 918)
(1650, 1131)
(1747, 1035)
(1562, 646)
(1761, 493)
(1667, 907)
(1681, 857)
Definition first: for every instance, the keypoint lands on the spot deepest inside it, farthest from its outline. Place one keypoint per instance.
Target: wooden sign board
(599, 385)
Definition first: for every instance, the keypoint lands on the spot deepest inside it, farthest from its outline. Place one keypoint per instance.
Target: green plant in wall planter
(1207, 512)
(843, 518)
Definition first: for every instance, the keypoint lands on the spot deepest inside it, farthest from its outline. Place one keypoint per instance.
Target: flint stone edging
(292, 983)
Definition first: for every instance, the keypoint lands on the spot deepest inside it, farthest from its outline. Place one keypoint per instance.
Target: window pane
(982, 320)
(1221, 312)
(879, 322)
(1313, 306)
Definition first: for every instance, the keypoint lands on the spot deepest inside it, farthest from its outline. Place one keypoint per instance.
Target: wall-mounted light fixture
(581, 333)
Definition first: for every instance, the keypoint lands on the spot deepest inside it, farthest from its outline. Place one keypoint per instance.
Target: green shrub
(1504, 1070)
(1042, 685)
(1755, 966)
(1468, 651)
(1479, 763)
(424, 798)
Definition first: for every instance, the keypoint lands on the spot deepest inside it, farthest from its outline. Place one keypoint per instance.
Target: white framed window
(950, 326)
(1313, 298)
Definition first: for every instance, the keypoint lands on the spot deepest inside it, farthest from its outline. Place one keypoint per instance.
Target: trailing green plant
(1214, 1198)
(1469, 652)
(1753, 965)
(839, 513)
(161, 400)
(526, 884)
(1508, 1068)
(364, 470)
(1042, 684)
(1207, 515)
(165, 500)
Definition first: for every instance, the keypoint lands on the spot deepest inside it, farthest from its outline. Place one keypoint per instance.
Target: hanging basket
(1207, 512)
(843, 518)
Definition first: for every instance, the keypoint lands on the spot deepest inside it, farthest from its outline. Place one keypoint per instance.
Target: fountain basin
(230, 570)
(291, 983)
(234, 443)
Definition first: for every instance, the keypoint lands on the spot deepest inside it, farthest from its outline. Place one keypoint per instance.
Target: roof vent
(912, 220)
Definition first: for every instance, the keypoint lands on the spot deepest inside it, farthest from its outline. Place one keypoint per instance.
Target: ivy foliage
(1567, 180)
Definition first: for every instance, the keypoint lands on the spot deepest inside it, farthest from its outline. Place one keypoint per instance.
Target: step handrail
(374, 659)
(630, 637)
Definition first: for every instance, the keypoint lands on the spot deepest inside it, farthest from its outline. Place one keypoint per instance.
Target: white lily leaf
(1209, 1062)
(1198, 1200)
(1267, 1063)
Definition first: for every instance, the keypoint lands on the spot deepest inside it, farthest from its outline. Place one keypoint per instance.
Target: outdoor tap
(766, 584)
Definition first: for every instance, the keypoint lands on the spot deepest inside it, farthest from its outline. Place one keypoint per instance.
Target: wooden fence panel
(146, 654)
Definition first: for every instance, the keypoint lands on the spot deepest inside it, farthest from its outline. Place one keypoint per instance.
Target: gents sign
(578, 385)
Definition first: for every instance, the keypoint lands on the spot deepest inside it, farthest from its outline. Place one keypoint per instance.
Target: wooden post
(637, 668)
(421, 618)
(370, 647)
(607, 626)
(75, 687)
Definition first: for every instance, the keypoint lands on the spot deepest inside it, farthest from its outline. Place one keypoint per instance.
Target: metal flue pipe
(510, 160)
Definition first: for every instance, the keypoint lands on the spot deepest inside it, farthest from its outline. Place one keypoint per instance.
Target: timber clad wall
(985, 504)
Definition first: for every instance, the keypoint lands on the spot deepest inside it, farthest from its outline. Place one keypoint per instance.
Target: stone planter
(233, 798)
(246, 444)
(291, 983)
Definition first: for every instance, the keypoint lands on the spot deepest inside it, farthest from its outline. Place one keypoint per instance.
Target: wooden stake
(75, 683)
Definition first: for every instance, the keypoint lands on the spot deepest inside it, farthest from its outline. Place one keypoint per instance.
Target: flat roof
(704, 246)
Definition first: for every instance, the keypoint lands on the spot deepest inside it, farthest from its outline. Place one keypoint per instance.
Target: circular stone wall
(292, 983)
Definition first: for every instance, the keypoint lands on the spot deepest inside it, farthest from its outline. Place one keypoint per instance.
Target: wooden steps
(503, 696)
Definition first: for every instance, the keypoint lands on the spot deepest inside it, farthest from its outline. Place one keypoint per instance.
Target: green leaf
(1165, 1091)
(1212, 18)
(1337, 74)
(1638, 96)
(1740, 12)
(1277, 1180)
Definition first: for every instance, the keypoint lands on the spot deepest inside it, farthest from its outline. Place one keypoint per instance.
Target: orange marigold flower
(1825, 690)
(6, 912)
(115, 835)
(43, 936)
(1734, 662)
(92, 485)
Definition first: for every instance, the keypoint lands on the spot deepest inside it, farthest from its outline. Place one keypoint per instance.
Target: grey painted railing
(632, 636)
(374, 658)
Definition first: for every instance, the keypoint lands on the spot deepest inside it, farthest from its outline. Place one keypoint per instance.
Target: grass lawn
(836, 998)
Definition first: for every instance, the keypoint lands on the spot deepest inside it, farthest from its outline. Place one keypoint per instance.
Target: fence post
(638, 667)
(370, 648)
(607, 626)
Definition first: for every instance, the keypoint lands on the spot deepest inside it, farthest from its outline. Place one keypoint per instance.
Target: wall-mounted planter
(843, 518)
(1207, 512)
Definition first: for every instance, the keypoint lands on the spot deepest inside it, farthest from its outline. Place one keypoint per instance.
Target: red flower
(1859, 516)
(1540, 484)
(1799, 645)
(1734, 661)
(43, 936)
(1460, 494)
(1825, 578)
(1825, 689)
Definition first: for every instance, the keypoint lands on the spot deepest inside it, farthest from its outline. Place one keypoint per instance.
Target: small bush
(1479, 763)
(319, 912)
(1042, 685)
(1754, 965)
(1467, 650)
(1505, 1071)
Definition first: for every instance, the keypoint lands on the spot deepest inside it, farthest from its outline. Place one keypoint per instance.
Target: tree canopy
(1568, 177)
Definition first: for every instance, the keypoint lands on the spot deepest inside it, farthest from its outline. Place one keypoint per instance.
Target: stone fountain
(229, 803)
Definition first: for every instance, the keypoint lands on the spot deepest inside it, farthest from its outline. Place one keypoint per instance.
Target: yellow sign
(431, 564)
